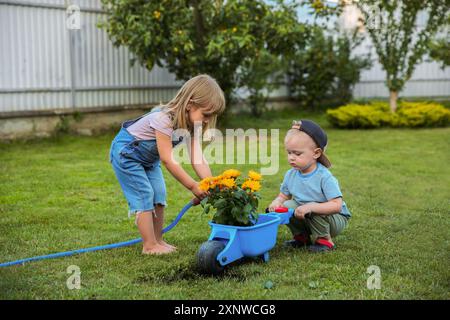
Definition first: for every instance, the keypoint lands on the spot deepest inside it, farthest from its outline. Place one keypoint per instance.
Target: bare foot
(163, 243)
(156, 249)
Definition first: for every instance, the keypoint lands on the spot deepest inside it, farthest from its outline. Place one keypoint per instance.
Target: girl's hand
(195, 201)
(200, 194)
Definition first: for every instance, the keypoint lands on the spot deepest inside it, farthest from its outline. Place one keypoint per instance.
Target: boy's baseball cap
(319, 136)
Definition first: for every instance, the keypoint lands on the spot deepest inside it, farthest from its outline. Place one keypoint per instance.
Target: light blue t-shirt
(317, 186)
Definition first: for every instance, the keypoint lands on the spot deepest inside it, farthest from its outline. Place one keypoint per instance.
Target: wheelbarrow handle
(308, 215)
(285, 214)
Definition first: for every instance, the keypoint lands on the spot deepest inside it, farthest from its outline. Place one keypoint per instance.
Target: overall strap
(128, 123)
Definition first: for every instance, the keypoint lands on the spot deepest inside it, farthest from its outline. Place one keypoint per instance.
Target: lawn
(61, 194)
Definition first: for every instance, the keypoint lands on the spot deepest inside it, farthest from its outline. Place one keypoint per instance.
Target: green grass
(61, 194)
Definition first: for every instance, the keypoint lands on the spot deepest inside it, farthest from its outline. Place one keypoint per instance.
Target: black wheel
(207, 257)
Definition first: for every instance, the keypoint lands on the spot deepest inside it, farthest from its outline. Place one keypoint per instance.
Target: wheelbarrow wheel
(207, 257)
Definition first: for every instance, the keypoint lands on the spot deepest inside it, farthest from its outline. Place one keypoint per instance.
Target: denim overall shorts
(137, 166)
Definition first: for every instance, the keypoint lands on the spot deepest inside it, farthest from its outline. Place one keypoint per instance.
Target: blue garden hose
(108, 246)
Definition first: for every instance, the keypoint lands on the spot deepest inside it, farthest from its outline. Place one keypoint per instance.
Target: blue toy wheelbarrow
(227, 244)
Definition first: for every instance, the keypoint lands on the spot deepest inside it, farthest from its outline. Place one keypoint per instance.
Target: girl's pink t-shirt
(144, 128)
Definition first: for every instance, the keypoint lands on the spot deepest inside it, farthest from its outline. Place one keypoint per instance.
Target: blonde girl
(144, 143)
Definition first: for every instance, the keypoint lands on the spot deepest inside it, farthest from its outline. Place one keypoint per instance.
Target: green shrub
(355, 116)
(325, 71)
(377, 114)
(422, 114)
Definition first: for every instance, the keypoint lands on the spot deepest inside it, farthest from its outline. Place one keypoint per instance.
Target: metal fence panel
(46, 66)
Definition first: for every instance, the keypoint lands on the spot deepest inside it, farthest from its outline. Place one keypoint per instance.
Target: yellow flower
(252, 185)
(231, 173)
(215, 181)
(157, 14)
(205, 184)
(234, 29)
(229, 183)
(254, 175)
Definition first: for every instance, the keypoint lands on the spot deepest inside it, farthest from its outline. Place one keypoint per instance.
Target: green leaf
(221, 203)
(204, 201)
(235, 212)
(248, 208)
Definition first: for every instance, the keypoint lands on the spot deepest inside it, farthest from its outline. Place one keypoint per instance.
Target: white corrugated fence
(44, 65)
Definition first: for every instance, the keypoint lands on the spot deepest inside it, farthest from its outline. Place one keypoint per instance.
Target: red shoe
(322, 245)
(299, 241)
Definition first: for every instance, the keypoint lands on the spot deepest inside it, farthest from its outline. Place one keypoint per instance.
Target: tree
(440, 47)
(400, 44)
(261, 75)
(189, 37)
(392, 26)
(325, 72)
(440, 51)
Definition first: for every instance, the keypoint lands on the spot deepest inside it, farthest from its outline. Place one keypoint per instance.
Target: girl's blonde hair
(204, 92)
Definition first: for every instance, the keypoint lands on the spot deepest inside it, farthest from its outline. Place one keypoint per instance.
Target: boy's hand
(278, 202)
(302, 211)
(275, 204)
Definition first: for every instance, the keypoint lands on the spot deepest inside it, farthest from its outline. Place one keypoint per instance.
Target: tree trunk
(199, 25)
(393, 100)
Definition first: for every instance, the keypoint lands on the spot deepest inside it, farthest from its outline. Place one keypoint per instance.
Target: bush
(422, 114)
(325, 72)
(376, 114)
(202, 36)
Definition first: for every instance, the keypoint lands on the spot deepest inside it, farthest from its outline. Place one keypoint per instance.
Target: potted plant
(234, 199)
